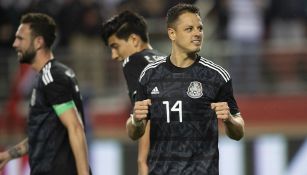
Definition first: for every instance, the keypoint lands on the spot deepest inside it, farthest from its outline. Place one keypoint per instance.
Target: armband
(61, 108)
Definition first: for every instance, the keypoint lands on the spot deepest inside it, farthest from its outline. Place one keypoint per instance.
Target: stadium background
(261, 42)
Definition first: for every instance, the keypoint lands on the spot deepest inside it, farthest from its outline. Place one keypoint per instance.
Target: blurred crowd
(74, 16)
(250, 28)
(85, 16)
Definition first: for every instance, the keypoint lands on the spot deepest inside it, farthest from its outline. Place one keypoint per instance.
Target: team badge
(195, 90)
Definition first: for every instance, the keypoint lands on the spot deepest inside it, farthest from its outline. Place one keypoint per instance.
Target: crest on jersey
(195, 90)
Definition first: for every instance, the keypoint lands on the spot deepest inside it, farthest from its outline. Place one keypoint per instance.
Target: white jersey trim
(126, 60)
(150, 66)
(47, 77)
(215, 67)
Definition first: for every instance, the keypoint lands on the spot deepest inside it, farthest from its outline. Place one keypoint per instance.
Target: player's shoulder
(54, 71)
(148, 53)
(152, 66)
(144, 57)
(214, 68)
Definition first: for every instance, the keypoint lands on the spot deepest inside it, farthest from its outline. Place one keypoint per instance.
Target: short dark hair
(177, 10)
(41, 25)
(123, 25)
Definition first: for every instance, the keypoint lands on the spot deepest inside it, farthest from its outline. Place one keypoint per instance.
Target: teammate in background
(56, 141)
(185, 95)
(127, 36)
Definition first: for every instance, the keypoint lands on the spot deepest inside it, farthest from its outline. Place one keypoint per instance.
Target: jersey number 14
(177, 107)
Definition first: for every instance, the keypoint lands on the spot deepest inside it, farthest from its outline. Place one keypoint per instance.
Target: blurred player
(126, 34)
(184, 95)
(56, 141)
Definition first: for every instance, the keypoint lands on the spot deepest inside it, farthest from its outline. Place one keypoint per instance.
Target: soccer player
(184, 95)
(127, 36)
(55, 141)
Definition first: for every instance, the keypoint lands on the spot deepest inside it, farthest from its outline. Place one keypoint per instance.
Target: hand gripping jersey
(184, 129)
(49, 148)
(133, 66)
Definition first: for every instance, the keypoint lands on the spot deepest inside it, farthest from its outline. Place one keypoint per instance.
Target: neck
(182, 60)
(144, 46)
(42, 57)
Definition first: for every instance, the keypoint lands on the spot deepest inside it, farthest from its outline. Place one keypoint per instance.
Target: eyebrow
(19, 37)
(113, 45)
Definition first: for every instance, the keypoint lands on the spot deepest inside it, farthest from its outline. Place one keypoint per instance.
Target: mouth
(19, 53)
(196, 42)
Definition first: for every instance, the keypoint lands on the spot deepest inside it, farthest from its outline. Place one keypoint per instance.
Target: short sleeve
(132, 71)
(58, 90)
(226, 95)
(141, 93)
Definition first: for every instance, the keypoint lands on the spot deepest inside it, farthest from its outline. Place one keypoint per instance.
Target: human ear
(135, 39)
(38, 42)
(171, 33)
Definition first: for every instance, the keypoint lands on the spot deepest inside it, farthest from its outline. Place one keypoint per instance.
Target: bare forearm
(79, 148)
(142, 168)
(143, 151)
(235, 127)
(19, 150)
(135, 131)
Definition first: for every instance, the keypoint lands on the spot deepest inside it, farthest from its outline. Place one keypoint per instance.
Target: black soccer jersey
(133, 66)
(49, 148)
(184, 129)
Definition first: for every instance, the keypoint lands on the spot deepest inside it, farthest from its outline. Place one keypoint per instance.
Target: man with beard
(184, 95)
(56, 141)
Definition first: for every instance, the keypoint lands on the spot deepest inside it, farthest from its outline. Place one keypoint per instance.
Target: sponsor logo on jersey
(195, 90)
(77, 88)
(70, 73)
(33, 97)
(155, 91)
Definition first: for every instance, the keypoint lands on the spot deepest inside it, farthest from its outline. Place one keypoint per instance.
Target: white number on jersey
(177, 107)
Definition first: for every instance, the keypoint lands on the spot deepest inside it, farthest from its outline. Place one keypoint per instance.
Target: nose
(198, 33)
(114, 54)
(15, 44)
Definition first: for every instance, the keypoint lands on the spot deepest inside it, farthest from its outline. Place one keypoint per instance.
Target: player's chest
(38, 99)
(183, 99)
(182, 88)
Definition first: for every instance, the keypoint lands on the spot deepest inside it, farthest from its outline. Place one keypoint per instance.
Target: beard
(28, 56)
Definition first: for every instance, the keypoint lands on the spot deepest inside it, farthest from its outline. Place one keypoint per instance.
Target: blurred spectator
(302, 70)
(68, 20)
(245, 30)
(150, 8)
(90, 21)
(6, 30)
(286, 19)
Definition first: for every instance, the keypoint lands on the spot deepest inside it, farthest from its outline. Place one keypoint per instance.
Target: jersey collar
(174, 68)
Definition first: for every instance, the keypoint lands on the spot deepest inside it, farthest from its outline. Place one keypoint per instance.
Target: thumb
(148, 101)
(213, 105)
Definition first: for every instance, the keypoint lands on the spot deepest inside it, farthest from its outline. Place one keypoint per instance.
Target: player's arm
(70, 118)
(14, 152)
(137, 121)
(143, 149)
(234, 124)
